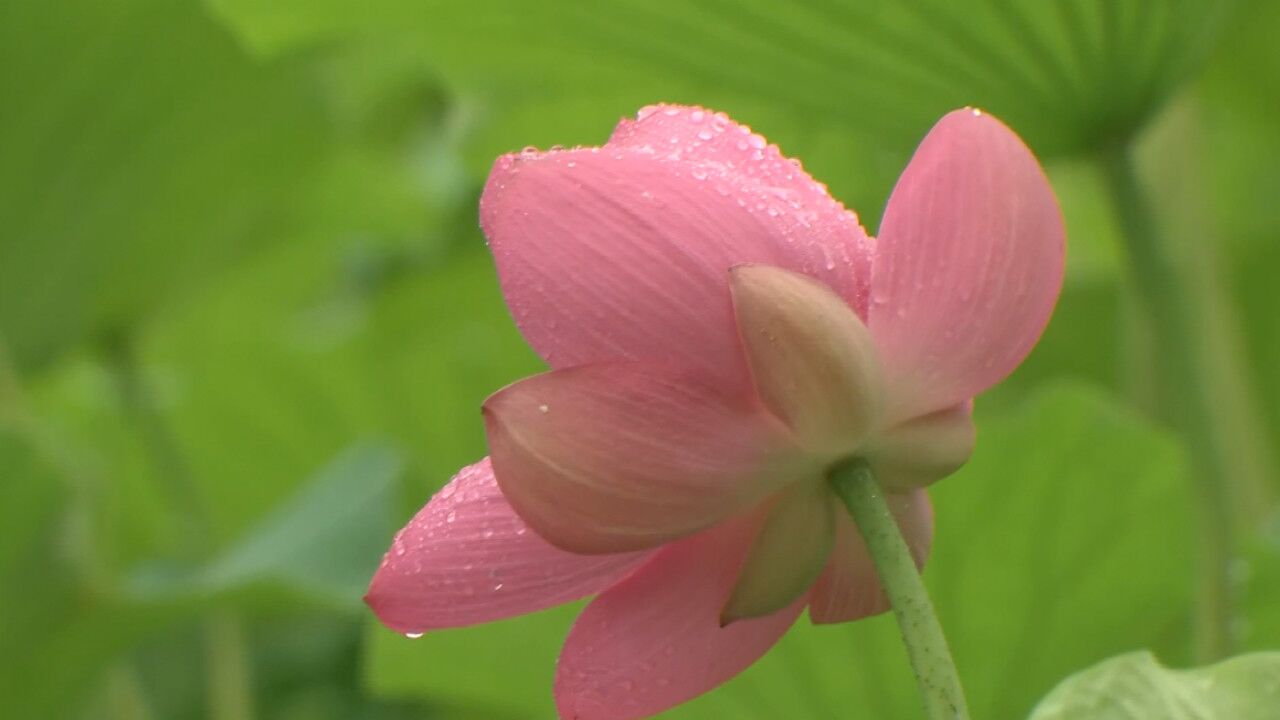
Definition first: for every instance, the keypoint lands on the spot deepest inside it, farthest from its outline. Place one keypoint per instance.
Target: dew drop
(697, 116)
(699, 173)
(544, 409)
(413, 635)
(705, 135)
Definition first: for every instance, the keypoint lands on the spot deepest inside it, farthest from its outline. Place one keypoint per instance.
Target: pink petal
(967, 267)
(466, 558)
(623, 252)
(923, 450)
(654, 640)
(626, 456)
(849, 588)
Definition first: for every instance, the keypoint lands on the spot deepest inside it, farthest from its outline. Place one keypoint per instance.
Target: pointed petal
(654, 640)
(623, 252)
(466, 558)
(924, 450)
(787, 555)
(968, 265)
(812, 360)
(849, 588)
(624, 456)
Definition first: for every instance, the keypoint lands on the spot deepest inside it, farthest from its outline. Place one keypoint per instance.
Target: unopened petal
(922, 451)
(967, 266)
(655, 640)
(467, 558)
(625, 456)
(812, 360)
(787, 554)
(849, 588)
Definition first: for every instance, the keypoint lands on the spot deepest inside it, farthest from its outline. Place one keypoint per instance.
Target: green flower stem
(926, 646)
(1165, 302)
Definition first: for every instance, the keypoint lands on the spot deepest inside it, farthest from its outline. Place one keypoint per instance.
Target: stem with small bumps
(927, 649)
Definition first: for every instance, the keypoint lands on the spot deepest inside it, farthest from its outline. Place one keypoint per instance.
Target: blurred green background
(247, 319)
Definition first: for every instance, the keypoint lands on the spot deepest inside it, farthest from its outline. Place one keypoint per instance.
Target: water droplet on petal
(413, 635)
(697, 116)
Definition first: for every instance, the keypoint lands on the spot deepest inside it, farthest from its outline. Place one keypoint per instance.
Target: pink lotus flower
(721, 332)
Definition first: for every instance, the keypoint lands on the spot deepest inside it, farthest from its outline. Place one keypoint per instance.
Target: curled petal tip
(443, 568)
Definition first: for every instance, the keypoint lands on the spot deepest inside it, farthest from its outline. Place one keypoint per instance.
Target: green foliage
(850, 87)
(318, 545)
(141, 152)
(1136, 687)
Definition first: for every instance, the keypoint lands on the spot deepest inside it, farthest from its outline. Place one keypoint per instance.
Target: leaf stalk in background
(1165, 302)
(230, 693)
